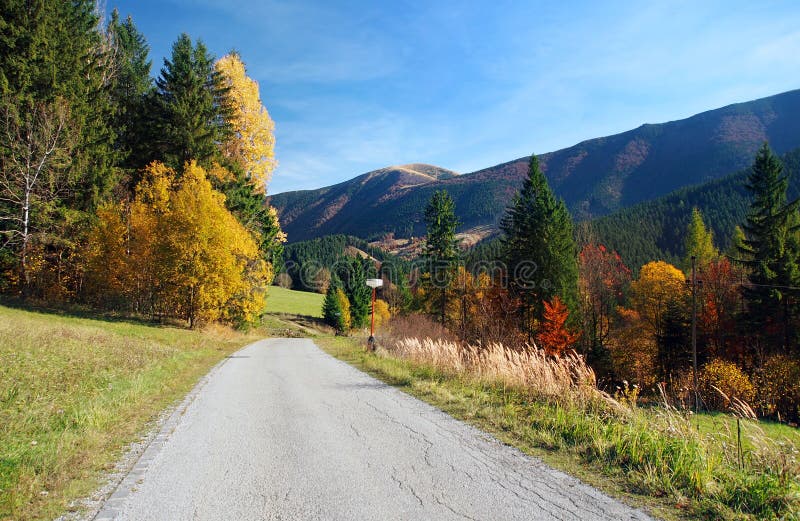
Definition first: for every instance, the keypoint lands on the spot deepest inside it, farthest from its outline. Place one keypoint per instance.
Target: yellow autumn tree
(658, 285)
(253, 142)
(177, 251)
(107, 275)
(211, 263)
(382, 313)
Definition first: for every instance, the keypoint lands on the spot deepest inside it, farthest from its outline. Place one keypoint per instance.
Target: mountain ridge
(595, 177)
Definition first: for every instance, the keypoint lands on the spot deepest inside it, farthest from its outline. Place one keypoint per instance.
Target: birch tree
(34, 173)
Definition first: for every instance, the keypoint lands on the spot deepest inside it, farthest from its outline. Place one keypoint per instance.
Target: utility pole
(694, 334)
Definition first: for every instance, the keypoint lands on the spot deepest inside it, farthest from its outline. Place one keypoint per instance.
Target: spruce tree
(361, 294)
(54, 95)
(130, 88)
(333, 308)
(441, 250)
(539, 248)
(353, 272)
(770, 250)
(52, 52)
(190, 110)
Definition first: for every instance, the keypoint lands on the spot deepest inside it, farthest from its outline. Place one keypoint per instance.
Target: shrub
(720, 375)
(283, 280)
(422, 326)
(779, 388)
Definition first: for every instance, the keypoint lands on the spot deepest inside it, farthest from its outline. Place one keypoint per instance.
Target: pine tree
(699, 243)
(52, 51)
(440, 245)
(771, 250)
(191, 111)
(358, 293)
(252, 210)
(539, 248)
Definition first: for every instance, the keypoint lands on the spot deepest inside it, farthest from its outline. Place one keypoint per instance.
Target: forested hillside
(595, 177)
(309, 265)
(656, 229)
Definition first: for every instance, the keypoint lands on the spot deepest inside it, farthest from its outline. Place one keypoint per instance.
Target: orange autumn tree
(554, 336)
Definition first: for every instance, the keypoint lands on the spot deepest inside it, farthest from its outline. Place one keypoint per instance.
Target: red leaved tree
(554, 336)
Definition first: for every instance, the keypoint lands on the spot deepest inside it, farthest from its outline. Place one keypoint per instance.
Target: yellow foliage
(253, 143)
(106, 267)
(779, 387)
(729, 379)
(219, 173)
(177, 251)
(382, 314)
(633, 348)
(273, 216)
(659, 283)
(344, 306)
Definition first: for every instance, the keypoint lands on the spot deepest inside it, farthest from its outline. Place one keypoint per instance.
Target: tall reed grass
(556, 378)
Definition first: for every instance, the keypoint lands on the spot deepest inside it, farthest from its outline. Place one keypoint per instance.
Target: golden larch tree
(252, 145)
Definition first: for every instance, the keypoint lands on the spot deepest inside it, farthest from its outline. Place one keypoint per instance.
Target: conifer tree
(54, 83)
(359, 294)
(131, 85)
(539, 248)
(441, 250)
(191, 111)
(771, 250)
(336, 308)
(699, 243)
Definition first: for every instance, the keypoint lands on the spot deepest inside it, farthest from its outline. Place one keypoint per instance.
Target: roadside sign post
(374, 284)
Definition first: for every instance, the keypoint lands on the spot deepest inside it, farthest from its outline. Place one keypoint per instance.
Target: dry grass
(568, 377)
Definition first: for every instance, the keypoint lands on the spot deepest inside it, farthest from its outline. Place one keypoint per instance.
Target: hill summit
(595, 177)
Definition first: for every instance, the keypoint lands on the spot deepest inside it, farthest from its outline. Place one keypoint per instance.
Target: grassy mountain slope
(595, 177)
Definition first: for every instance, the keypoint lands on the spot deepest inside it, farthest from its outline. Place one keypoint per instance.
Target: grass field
(74, 392)
(281, 300)
(680, 466)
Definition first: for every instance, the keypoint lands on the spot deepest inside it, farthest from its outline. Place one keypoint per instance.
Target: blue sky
(359, 85)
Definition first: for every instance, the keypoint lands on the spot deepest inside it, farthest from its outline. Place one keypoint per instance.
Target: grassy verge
(281, 300)
(676, 466)
(74, 392)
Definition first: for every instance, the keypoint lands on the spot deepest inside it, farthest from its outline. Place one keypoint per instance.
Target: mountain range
(595, 177)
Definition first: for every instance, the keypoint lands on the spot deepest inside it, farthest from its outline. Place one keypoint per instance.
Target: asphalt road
(283, 431)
